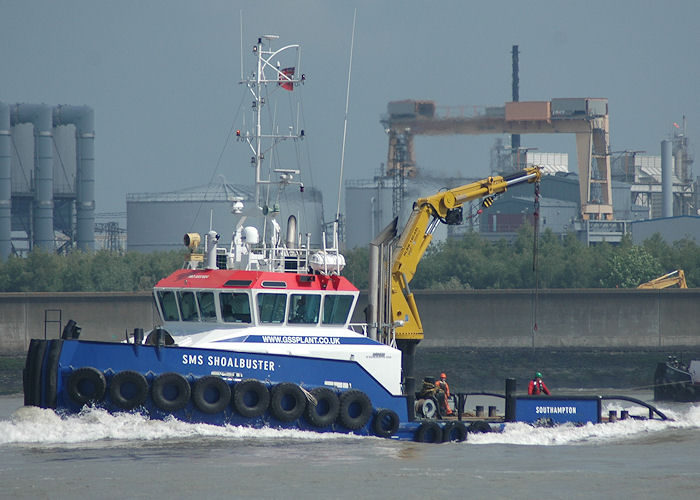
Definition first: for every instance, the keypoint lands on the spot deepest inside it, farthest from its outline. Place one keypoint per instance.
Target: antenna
(345, 121)
(241, 18)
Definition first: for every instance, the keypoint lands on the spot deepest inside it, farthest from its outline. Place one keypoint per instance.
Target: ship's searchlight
(192, 241)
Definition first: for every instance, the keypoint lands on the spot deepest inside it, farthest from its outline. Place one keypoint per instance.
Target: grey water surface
(97, 455)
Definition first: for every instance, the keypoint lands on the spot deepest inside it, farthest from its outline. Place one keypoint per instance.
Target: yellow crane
(446, 207)
(676, 277)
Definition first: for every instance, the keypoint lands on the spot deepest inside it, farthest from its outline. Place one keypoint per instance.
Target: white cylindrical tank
(327, 262)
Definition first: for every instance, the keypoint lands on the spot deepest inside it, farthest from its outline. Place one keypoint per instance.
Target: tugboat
(259, 333)
(677, 381)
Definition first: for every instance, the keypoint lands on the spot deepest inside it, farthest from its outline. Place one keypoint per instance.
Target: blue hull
(51, 364)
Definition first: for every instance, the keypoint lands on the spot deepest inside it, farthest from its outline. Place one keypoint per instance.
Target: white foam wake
(32, 425)
(524, 434)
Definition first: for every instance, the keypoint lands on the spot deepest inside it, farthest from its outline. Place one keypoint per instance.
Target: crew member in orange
(537, 386)
(442, 385)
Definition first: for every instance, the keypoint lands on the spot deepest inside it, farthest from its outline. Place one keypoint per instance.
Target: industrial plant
(607, 195)
(47, 181)
(601, 200)
(47, 178)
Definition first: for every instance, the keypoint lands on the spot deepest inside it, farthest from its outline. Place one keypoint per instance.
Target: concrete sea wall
(471, 318)
(102, 316)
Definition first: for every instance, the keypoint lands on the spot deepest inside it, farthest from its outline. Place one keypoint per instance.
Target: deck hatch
(238, 283)
(274, 284)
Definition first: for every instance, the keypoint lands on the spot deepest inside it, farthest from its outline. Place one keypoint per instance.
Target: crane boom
(427, 213)
(676, 277)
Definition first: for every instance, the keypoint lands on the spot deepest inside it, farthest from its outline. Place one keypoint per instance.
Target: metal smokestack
(83, 117)
(5, 183)
(515, 138)
(39, 115)
(667, 178)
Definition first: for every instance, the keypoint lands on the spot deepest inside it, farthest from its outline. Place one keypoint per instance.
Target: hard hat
(538, 375)
(442, 375)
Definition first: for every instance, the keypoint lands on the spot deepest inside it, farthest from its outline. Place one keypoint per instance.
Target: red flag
(676, 125)
(285, 83)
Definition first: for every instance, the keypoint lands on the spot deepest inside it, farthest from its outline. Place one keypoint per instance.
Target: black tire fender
(86, 384)
(355, 409)
(287, 402)
(128, 389)
(251, 398)
(211, 394)
(454, 431)
(480, 426)
(386, 423)
(326, 409)
(429, 432)
(163, 388)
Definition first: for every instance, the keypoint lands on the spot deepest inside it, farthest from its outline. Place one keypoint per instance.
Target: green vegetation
(101, 271)
(563, 262)
(466, 263)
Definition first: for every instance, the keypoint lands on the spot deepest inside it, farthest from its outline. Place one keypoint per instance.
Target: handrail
(652, 409)
(459, 399)
(361, 326)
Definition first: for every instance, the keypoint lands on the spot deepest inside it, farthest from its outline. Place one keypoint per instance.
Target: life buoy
(326, 409)
(454, 431)
(251, 398)
(287, 402)
(386, 423)
(355, 409)
(86, 384)
(429, 432)
(211, 394)
(170, 391)
(480, 426)
(128, 389)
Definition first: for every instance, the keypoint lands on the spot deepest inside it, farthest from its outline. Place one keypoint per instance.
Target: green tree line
(101, 271)
(472, 262)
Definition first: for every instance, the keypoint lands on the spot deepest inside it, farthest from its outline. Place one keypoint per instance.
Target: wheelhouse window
(168, 305)
(188, 306)
(336, 309)
(304, 309)
(271, 307)
(235, 307)
(207, 307)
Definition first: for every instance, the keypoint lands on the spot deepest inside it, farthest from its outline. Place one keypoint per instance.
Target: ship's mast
(268, 74)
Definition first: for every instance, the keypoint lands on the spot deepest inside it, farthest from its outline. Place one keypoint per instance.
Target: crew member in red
(442, 385)
(537, 386)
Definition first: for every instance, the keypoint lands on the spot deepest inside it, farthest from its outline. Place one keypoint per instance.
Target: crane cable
(535, 267)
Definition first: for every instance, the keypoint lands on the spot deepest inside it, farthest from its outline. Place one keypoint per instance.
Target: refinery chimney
(40, 216)
(39, 115)
(83, 118)
(667, 178)
(5, 183)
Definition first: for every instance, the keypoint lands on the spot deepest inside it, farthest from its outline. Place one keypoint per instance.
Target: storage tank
(157, 221)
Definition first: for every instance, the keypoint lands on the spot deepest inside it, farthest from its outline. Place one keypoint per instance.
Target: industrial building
(669, 228)
(47, 178)
(158, 221)
(604, 198)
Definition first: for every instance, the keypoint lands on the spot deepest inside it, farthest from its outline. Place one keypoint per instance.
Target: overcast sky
(162, 76)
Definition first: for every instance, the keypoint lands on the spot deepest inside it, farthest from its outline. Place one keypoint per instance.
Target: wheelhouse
(237, 298)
